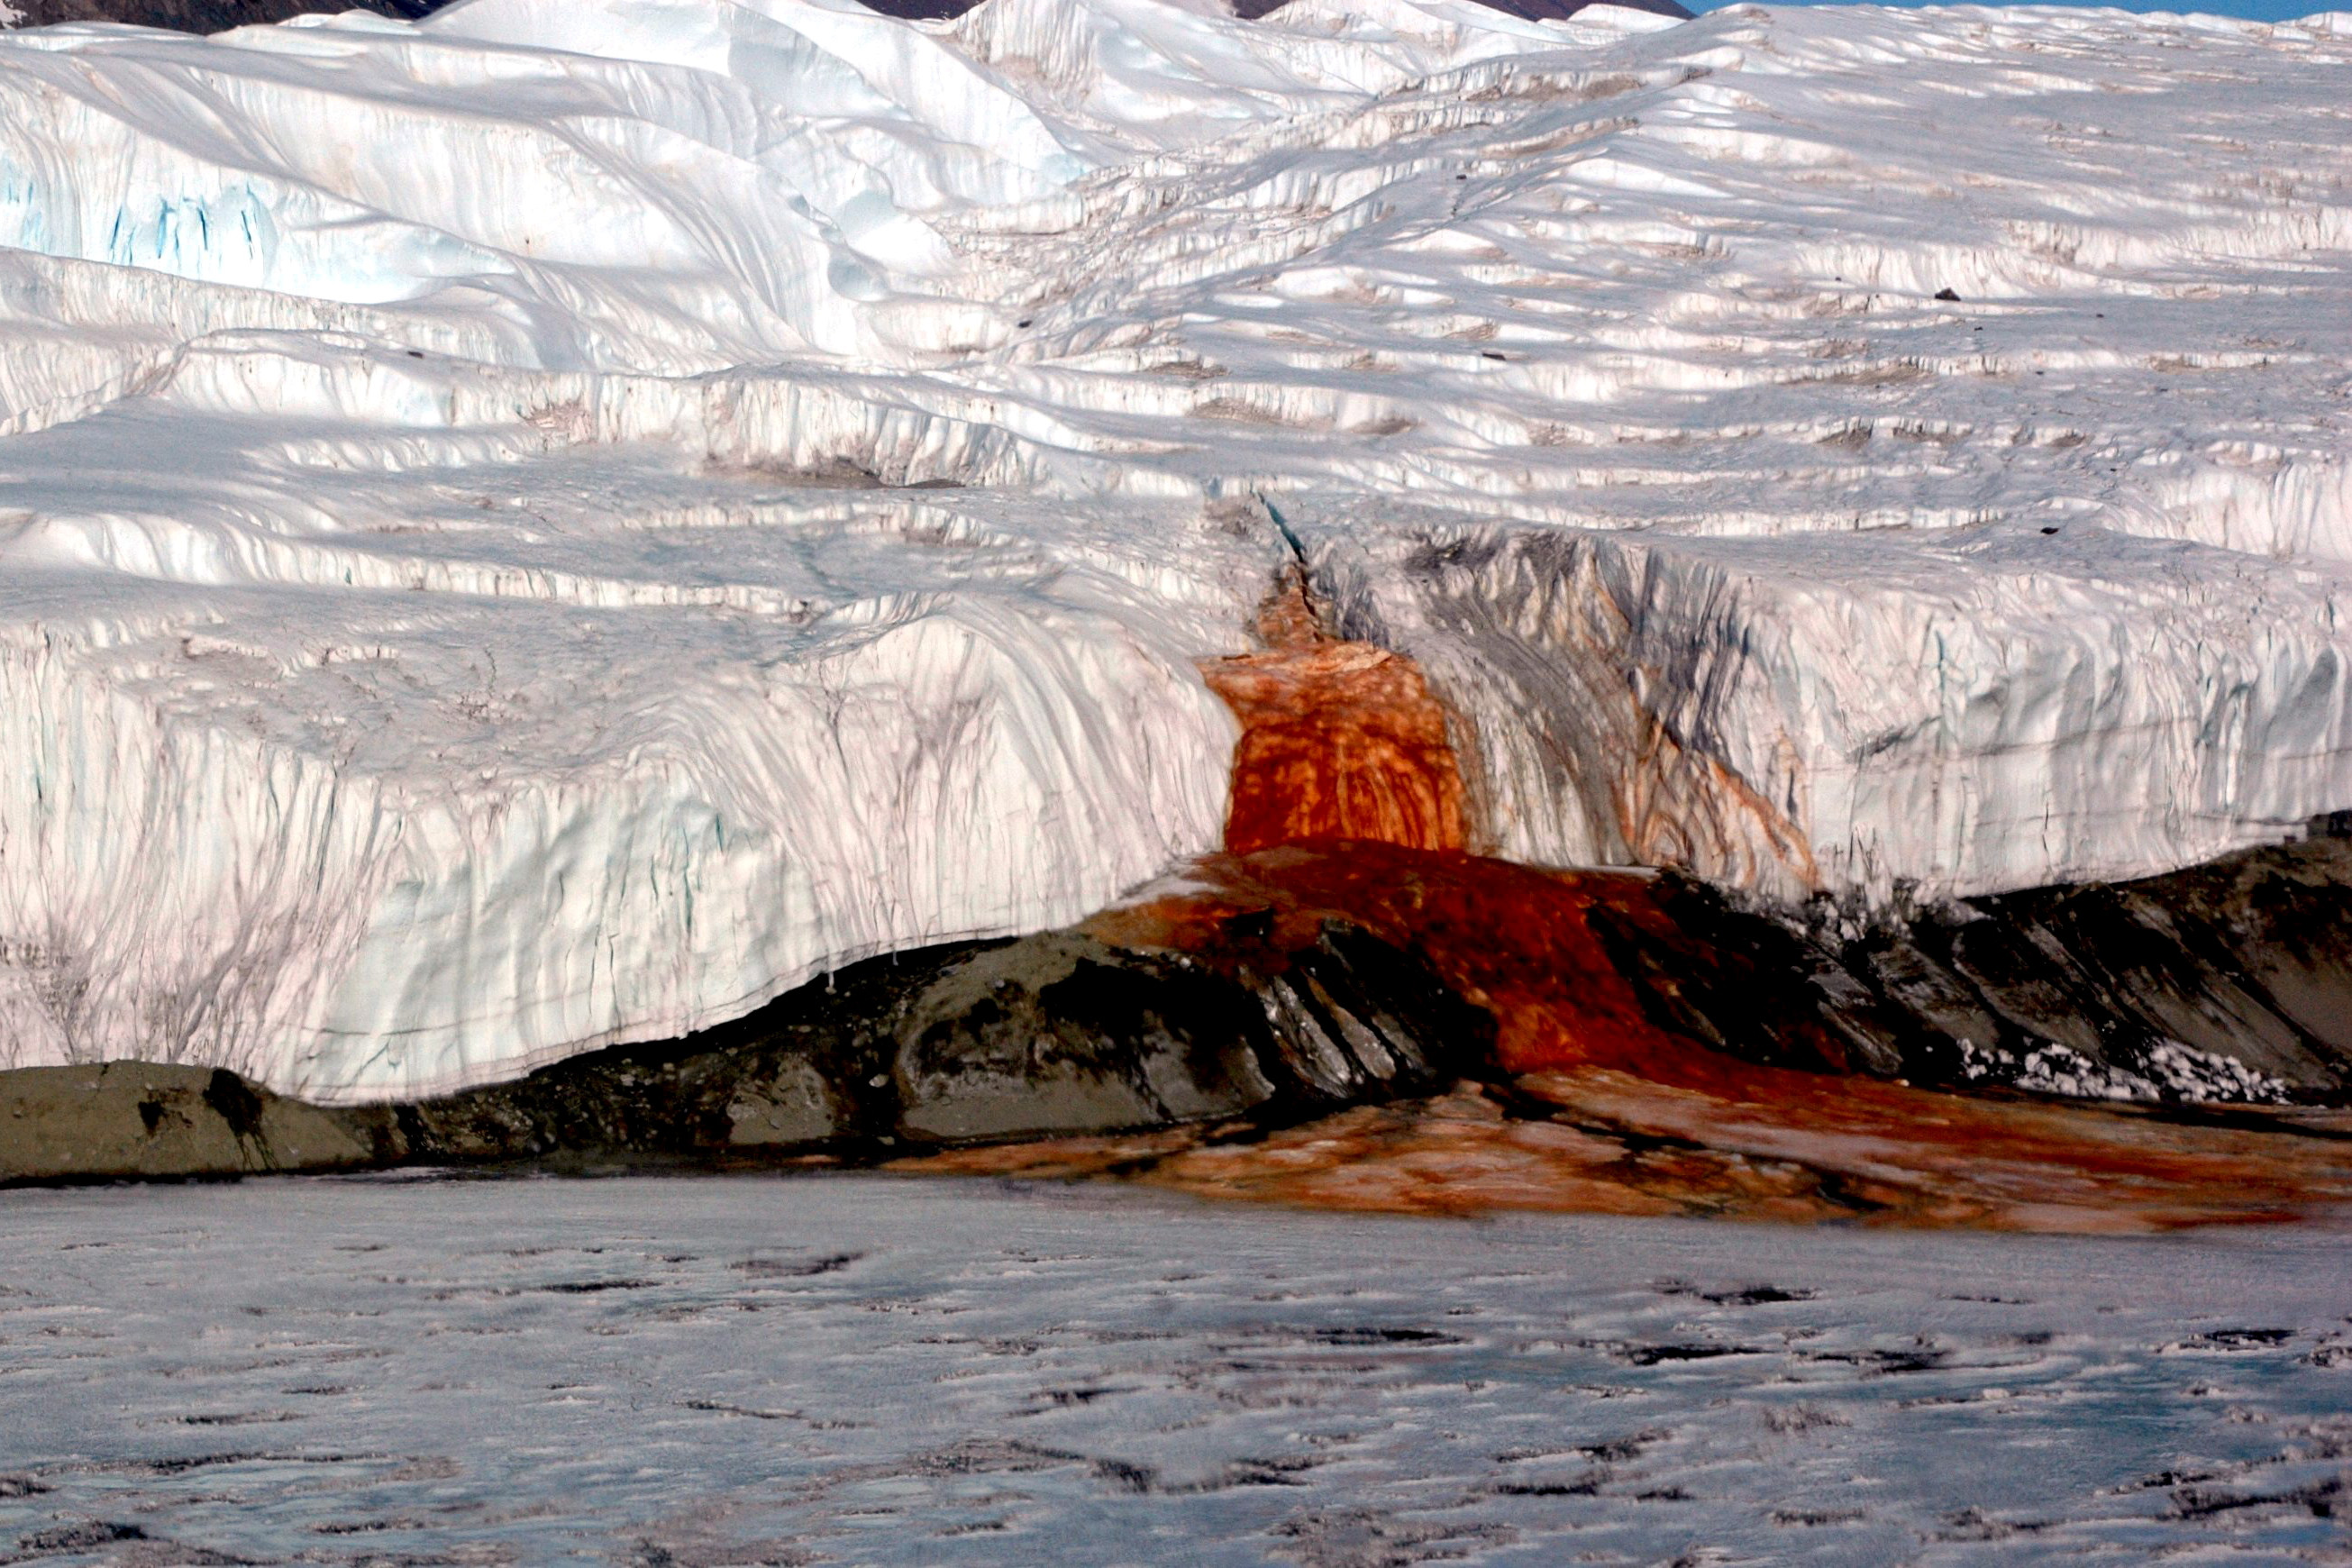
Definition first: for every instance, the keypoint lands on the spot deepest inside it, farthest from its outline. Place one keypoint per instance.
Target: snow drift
(555, 523)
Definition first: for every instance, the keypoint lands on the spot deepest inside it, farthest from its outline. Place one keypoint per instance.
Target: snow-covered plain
(868, 1371)
(464, 597)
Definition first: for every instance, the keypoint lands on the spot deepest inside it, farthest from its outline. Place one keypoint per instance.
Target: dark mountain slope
(216, 15)
(200, 16)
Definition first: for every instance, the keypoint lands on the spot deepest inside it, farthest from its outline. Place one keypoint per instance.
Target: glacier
(554, 524)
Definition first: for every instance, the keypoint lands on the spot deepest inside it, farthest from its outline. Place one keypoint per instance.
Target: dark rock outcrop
(218, 15)
(1054, 1033)
(140, 1119)
(204, 16)
(2228, 981)
(1049, 1034)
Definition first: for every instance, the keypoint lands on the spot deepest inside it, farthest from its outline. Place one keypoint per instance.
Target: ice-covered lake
(870, 1369)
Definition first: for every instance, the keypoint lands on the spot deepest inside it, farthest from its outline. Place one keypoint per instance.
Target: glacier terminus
(556, 523)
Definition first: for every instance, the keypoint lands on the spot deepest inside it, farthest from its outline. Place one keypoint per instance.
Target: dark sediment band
(1058, 1031)
(1679, 1051)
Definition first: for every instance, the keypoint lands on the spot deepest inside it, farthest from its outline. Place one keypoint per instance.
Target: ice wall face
(464, 597)
(351, 835)
(1957, 708)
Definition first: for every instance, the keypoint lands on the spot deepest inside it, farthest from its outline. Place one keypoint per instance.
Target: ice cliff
(555, 523)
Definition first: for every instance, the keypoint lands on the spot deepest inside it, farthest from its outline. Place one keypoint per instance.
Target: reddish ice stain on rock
(1348, 805)
(1339, 741)
(1619, 1114)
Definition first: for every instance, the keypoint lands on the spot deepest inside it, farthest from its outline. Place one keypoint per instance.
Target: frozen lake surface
(869, 1369)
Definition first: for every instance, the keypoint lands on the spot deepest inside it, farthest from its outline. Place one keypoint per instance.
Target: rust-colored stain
(1660, 829)
(1476, 1151)
(1615, 1113)
(1512, 939)
(1347, 805)
(1339, 741)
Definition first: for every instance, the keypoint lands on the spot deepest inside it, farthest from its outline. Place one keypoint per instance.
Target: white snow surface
(553, 524)
(877, 1372)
